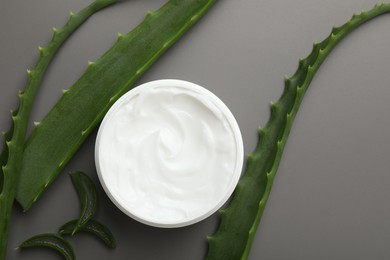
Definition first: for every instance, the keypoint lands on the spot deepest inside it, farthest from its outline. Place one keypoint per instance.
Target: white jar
(169, 153)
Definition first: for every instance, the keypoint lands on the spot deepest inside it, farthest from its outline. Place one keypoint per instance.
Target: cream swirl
(170, 153)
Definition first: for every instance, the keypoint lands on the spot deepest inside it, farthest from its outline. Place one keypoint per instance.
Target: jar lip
(230, 119)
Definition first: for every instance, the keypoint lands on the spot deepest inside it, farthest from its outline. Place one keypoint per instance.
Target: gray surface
(330, 196)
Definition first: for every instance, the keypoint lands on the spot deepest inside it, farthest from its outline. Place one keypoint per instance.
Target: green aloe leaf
(81, 108)
(93, 227)
(52, 241)
(87, 193)
(240, 220)
(12, 155)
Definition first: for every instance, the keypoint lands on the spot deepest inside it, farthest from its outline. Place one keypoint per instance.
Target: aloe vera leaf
(3, 161)
(82, 107)
(52, 241)
(86, 190)
(11, 157)
(4, 153)
(93, 227)
(240, 220)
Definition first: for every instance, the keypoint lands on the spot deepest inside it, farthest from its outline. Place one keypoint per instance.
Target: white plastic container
(169, 153)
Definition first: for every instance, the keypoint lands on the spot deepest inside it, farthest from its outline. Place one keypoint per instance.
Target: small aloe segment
(11, 157)
(52, 241)
(86, 190)
(239, 221)
(4, 154)
(82, 107)
(93, 227)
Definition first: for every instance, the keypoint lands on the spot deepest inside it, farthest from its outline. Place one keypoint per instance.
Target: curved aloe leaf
(93, 227)
(88, 197)
(52, 241)
(239, 221)
(11, 157)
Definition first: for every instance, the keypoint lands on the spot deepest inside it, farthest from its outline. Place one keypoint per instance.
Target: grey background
(330, 196)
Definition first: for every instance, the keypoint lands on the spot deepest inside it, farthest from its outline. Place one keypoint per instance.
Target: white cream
(169, 153)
